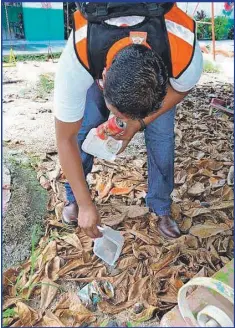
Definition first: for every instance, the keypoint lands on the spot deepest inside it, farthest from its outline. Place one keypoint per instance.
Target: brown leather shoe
(168, 227)
(70, 214)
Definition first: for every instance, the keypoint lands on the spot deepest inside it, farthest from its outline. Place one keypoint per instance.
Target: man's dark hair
(136, 82)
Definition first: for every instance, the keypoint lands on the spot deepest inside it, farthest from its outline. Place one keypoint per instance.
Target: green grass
(210, 67)
(39, 57)
(46, 84)
(9, 313)
(34, 254)
(36, 234)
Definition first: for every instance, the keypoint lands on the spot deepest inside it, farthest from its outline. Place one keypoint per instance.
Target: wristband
(142, 124)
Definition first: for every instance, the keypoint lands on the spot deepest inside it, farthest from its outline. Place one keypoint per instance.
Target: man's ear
(104, 74)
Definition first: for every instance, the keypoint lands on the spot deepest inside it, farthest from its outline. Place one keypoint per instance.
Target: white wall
(39, 5)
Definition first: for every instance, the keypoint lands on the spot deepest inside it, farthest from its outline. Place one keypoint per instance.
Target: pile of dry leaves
(151, 268)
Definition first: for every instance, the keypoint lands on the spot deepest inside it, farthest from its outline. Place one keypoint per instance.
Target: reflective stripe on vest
(181, 34)
(80, 38)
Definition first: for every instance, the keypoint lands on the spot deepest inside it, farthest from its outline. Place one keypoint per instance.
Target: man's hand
(88, 220)
(132, 127)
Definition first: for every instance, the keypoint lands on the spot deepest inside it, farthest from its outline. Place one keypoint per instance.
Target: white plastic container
(103, 149)
(109, 247)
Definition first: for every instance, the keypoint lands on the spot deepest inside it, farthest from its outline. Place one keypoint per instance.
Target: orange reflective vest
(171, 36)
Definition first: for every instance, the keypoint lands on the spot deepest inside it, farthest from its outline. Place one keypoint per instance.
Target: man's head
(135, 85)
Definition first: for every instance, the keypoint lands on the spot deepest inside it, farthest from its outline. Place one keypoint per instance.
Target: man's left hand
(132, 127)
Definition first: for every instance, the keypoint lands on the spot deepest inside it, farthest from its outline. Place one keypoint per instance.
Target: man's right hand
(88, 220)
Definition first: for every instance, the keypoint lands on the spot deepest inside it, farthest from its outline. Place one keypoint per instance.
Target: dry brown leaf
(48, 292)
(170, 296)
(27, 316)
(142, 236)
(197, 189)
(100, 185)
(193, 212)
(186, 224)
(55, 223)
(119, 278)
(108, 308)
(139, 163)
(222, 205)
(9, 302)
(171, 257)
(106, 188)
(51, 320)
(175, 211)
(121, 292)
(205, 172)
(47, 254)
(137, 288)
(72, 239)
(210, 164)
(176, 282)
(52, 268)
(10, 277)
(226, 193)
(85, 241)
(8, 321)
(180, 177)
(73, 312)
(145, 251)
(208, 229)
(58, 210)
(136, 211)
(52, 201)
(127, 262)
(69, 266)
(113, 220)
(31, 284)
(120, 191)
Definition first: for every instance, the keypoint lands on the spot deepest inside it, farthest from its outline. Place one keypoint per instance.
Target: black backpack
(99, 12)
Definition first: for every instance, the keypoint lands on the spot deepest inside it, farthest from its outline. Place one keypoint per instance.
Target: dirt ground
(28, 134)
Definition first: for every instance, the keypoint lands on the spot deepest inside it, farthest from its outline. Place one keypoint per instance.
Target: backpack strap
(99, 12)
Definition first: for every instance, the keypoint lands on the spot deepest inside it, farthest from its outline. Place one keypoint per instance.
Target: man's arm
(71, 162)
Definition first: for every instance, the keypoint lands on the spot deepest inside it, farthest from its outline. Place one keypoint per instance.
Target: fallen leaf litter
(151, 268)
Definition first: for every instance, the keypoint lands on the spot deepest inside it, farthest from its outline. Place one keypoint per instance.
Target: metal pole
(213, 28)
(67, 22)
(196, 8)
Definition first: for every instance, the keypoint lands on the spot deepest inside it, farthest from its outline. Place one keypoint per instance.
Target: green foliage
(9, 313)
(231, 33)
(36, 233)
(203, 30)
(222, 27)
